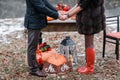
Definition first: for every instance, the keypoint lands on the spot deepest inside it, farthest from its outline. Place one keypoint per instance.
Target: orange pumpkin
(57, 59)
(43, 56)
(49, 18)
(50, 56)
(47, 54)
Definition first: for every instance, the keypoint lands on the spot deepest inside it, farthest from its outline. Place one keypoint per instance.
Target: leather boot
(38, 73)
(90, 57)
(34, 69)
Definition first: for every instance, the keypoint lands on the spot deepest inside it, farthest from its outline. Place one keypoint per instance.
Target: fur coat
(91, 19)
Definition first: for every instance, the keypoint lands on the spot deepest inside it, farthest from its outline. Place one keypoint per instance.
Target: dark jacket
(91, 19)
(36, 12)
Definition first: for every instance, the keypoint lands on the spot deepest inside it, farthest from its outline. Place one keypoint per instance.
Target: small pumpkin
(49, 18)
(57, 59)
(50, 55)
(43, 56)
(47, 54)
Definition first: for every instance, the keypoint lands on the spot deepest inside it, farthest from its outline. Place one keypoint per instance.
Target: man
(35, 20)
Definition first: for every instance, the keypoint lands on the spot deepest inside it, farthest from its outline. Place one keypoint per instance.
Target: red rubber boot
(90, 57)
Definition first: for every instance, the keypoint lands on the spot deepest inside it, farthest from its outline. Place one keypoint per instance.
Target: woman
(90, 19)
